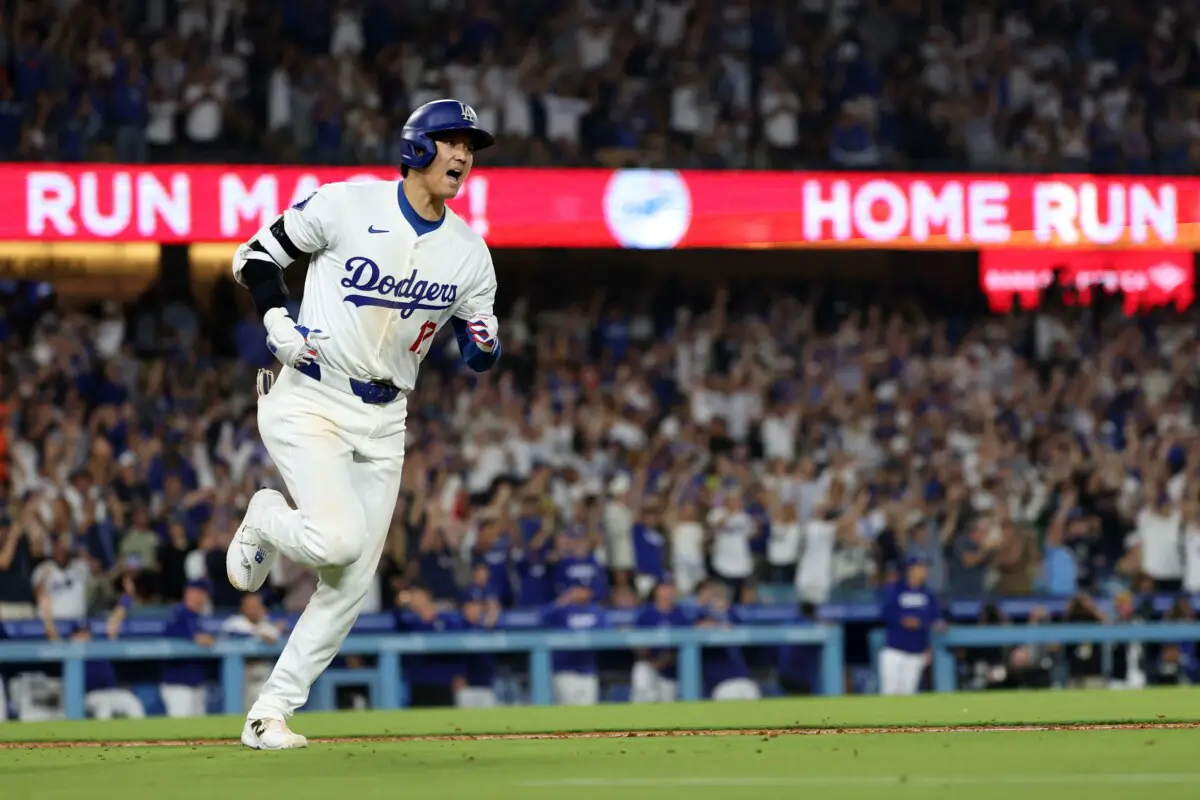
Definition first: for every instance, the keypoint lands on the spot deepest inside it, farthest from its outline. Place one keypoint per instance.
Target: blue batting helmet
(417, 147)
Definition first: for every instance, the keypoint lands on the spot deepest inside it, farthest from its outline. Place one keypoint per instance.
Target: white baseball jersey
(378, 288)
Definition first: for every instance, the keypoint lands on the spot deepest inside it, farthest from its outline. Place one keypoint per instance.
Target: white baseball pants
(736, 689)
(647, 685)
(109, 703)
(576, 689)
(900, 672)
(341, 460)
(180, 700)
(36, 697)
(475, 697)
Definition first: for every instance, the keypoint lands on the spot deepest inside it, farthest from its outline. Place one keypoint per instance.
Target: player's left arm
(475, 326)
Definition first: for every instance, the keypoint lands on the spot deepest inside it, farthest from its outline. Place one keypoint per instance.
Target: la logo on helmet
(468, 113)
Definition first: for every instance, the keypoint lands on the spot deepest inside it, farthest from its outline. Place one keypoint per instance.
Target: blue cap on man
(417, 147)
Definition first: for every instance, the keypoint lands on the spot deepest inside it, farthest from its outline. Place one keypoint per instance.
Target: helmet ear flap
(417, 149)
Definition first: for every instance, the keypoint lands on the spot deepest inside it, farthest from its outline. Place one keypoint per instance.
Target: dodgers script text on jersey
(383, 281)
(412, 293)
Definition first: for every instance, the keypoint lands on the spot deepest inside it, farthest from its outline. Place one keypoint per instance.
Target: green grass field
(1106, 764)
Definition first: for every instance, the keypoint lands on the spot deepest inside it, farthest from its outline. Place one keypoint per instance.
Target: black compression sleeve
(265, 282)
(285, 241)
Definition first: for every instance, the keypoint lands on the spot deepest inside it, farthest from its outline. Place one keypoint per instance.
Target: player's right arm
(306, 227)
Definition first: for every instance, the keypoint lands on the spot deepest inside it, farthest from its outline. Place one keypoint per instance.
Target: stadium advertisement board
(1145, 279)
(641, 209)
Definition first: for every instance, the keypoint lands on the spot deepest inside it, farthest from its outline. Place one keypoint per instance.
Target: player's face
(448, 172)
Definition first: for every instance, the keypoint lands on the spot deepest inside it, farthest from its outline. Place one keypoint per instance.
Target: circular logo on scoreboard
(647, 209)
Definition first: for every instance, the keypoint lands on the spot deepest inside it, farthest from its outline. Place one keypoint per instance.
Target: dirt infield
(649, 734)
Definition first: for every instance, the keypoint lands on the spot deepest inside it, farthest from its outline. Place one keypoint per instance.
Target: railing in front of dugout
(942, 645)
(945, 675)
(388, 648)
(141, 623)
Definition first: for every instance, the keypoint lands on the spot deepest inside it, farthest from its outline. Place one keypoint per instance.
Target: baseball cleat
(249, 558)
(271, 734)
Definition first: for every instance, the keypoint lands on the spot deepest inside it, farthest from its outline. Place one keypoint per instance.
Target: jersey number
(427, 331)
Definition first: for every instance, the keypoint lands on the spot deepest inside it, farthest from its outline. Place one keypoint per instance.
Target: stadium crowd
(771, 447)
(754, 442)
(752, 446)
(1103, 85)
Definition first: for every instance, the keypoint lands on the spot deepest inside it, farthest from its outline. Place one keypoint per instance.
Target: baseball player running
(390, 266)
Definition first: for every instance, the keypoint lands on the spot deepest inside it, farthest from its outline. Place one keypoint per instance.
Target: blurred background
(911, 281)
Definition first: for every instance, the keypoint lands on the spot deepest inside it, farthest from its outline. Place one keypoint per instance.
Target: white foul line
(880, 780)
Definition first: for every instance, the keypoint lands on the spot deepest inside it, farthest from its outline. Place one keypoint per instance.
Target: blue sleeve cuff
(472, 356)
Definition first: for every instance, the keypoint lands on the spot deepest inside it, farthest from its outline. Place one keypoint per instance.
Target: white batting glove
(484, 330)
(294, 345)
